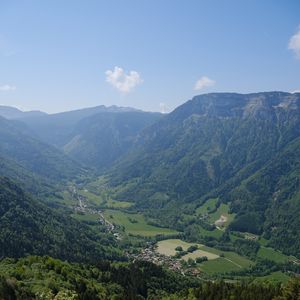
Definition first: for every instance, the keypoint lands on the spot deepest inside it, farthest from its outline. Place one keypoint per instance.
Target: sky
(59, 55)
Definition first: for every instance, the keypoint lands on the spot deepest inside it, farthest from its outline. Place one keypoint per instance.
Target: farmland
(213, 213)
(134, 224)
(218, 261)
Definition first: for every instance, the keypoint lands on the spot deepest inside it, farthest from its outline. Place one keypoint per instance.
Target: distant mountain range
(9, 112)
(24, 156)
(95, 136)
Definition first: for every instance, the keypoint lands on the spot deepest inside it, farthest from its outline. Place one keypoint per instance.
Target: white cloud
(203, 82)
(123, 82)
(295, 91)
(7, 88)
(294, 44)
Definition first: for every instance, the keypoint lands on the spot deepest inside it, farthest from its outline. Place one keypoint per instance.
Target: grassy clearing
(212, 216)
(234, 257)
(271, 254)
(207, 206)
(218, 265)
(135, 223)
(230, 262)
(274, 277)
(167, 247)
(200, 253)
(103, 201)
(67, 198)
(223, 210)
(214, 233)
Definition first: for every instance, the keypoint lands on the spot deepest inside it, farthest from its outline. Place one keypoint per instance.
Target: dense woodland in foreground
(47, 278)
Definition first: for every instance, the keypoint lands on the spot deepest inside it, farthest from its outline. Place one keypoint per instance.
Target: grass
(167, 247)
(236, 258)
(271, 254)
(218, 265)
(274, 277)
(230, 262)
(135, 224)
(207, 206)
(214, 233)
(222, 210)
(200, 253)
(103, 201)
(67, 198)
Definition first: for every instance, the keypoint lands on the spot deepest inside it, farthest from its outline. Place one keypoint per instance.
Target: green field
(218, 265)
(271, 254)
(274, 277)
(167, 247)
(134, 223)
(222, 210)
(103, 200)
(207, 206)
(215, 264)
(200, 253)
(214, 233)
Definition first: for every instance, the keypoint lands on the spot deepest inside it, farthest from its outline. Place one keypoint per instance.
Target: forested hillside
(29, 227)
(100, 139)
(19, 145)
(54, 279)
(221, 145)
(95, 136)
(269, 200)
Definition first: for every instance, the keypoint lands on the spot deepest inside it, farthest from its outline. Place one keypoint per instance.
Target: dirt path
(233, 263)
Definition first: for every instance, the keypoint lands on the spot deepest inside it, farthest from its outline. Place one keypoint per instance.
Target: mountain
(21, 150)
(56, 129)
(272, 197)
(207, 141)
(213, 146)
(29, 227)
(96, 136)
(9, 112)
(98, 140)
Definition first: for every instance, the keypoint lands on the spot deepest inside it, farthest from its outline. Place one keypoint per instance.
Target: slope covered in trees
(53, 279)
(29, 227)
(99, 140)
(242, 149)
(19, 145)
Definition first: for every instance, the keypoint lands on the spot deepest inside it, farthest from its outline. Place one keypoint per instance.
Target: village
(150, 254)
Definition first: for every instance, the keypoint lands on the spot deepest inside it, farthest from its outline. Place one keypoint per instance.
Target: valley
(185, 195)
(158, 244)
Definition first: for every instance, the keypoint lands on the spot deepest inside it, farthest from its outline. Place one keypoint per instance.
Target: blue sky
(59, 55)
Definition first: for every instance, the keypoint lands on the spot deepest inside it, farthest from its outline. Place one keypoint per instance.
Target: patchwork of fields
(135, 224)
(218, 261)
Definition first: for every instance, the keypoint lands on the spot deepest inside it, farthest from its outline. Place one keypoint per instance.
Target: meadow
(135, 224)
(218, 261)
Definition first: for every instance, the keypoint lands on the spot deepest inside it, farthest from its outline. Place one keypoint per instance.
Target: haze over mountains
(240, 151)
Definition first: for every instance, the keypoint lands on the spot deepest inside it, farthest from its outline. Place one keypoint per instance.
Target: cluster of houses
(151, 255)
